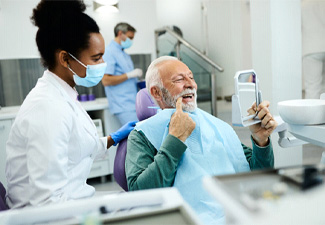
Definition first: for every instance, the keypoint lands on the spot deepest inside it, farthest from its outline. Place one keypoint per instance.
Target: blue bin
(141, 84)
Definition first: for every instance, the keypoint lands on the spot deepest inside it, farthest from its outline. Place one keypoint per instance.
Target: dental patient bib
(213, 148)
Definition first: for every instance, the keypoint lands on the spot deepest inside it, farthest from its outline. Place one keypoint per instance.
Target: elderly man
(177, 147)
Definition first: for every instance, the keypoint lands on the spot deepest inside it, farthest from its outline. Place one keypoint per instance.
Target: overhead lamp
(106, 6)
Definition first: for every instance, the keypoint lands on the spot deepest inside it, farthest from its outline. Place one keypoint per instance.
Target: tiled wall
(19, 76)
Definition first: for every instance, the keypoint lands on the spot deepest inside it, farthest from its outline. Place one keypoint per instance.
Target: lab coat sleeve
(102, 148)
(145, 167)
(47, 131)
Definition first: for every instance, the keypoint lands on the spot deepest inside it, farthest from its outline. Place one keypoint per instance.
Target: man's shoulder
(139, 139)
(113, 46)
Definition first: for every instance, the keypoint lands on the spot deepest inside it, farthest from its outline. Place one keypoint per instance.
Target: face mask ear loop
(71, 70)
(77, 60)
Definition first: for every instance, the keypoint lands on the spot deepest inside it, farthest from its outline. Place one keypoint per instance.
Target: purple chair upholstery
(143, 101)
(3, 205)
(119, 164)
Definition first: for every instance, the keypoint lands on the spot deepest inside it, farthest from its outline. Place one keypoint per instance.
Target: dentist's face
(91, 56)
(178, 81)
(128, 34)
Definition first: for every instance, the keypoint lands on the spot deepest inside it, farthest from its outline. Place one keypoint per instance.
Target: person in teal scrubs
(120, 79)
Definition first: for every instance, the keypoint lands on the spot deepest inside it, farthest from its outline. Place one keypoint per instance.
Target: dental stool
(143, 101)
(3, 205)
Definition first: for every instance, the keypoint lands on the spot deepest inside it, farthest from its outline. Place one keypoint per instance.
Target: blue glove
(123, 132)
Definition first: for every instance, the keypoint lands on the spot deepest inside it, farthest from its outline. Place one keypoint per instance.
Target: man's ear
(119, 33)
(156, 93)
(63, 58)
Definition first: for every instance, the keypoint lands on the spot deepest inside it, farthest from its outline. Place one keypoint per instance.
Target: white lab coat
(313, 26)
(313, 46)
(51, 148)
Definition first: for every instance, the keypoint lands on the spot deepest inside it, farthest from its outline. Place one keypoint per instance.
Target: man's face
(177, 81)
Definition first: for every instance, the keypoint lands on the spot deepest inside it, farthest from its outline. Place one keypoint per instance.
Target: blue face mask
(127, 43)
(94, 74)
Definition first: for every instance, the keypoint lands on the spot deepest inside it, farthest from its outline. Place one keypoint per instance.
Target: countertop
(10, 112)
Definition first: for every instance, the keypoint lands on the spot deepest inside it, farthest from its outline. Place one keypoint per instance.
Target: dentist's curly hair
(62, 25)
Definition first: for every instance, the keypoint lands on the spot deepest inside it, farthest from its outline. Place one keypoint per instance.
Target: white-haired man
(177, 148)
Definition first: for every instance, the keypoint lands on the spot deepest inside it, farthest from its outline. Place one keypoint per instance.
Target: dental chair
(143, 110)
(3, 205)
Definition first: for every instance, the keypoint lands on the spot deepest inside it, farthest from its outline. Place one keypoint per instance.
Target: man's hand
(262, 131)
(181, 124)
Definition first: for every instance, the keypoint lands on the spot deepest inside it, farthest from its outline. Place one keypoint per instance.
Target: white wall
(141, 15)
(276, 44)
(186, 14)
(229, 40)
(17, 33)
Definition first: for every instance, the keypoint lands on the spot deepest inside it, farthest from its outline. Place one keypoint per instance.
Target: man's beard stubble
(171, 101)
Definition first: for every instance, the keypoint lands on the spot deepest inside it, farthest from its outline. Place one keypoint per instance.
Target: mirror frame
(237, 116)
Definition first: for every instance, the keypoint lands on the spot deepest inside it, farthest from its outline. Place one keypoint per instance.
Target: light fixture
(106, 6)
(106, 2)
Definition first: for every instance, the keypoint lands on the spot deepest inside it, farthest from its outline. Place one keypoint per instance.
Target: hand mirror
(246, 93)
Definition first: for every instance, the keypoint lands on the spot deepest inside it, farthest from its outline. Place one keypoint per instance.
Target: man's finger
(179, 104)
(264, 104)
(253, 106)
(251, 111)
(262, 113)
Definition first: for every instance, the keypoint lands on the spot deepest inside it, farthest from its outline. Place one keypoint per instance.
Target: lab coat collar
(49, 77)
(72, 92)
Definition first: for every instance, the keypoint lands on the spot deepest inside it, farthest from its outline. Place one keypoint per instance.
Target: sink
(302, 111)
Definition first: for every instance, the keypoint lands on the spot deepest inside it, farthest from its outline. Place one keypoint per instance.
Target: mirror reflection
(247, 78)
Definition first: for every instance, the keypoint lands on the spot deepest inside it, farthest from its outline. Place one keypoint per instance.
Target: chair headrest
(143, 101)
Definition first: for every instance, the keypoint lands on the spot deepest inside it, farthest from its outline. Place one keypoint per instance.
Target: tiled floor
(311, 153)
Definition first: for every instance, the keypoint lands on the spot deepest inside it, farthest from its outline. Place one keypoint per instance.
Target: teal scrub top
(121, 97)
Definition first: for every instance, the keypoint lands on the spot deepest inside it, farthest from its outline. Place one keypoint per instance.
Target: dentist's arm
(111, 80)
(115, 138)
(120, 134)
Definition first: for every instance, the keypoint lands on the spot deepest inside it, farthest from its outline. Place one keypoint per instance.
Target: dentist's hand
(181, 124)
(123, 132)
(262, 131)
(134, 73)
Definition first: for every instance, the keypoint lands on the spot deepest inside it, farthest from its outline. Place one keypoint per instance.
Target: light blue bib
(213, 148)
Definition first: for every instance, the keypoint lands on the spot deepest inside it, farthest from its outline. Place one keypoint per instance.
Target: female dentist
(53, 141)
